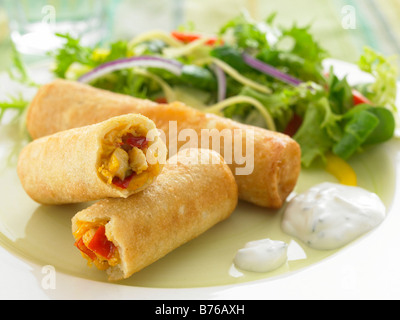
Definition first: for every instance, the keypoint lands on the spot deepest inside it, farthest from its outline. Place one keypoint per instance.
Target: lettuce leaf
(292, 49)
(71, 53)
(318, 133)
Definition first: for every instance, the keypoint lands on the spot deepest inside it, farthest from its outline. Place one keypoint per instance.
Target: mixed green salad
(254, 72)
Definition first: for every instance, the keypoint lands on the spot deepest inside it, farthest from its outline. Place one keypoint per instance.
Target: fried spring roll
(115, 158)
(195, 191)
(63, 105)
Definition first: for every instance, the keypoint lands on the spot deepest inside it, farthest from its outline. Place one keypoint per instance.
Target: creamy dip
(261, 255)
(330, 215)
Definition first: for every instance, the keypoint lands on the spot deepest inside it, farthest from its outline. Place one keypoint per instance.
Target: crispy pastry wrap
(115, 158)
(63, 105)
(195, 191)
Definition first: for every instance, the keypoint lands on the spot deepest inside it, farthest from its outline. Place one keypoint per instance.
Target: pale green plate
(35, 239)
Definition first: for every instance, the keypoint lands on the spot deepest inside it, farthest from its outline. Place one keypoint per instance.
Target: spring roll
(195, 191)
(63, 105)
(115, 158)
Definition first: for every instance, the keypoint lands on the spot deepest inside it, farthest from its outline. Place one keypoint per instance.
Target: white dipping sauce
(329, 215)
(261, 255)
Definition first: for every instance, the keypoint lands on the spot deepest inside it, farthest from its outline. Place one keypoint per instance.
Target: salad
(254, 72)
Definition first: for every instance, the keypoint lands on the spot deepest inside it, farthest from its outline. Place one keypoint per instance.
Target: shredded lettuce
(383, 91)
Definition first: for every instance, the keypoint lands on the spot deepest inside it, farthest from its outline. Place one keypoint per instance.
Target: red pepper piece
(161, 100)
(101, 245)
(138, 142)
(123, 184)
(293, 125)
(359, 98)
(81, 246)
(188, 37)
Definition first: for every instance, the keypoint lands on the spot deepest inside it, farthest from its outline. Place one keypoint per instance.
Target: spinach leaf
(232, 57)
(198, 77)
(386, 127)
(356, 131)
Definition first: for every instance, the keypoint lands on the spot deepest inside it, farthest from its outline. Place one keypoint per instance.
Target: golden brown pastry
(276, 164)
(195, 191)
(114, 158)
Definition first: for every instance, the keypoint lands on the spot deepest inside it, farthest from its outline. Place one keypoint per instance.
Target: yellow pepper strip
(341, 170)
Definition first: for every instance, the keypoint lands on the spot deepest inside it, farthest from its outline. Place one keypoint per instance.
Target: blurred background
(343, 27)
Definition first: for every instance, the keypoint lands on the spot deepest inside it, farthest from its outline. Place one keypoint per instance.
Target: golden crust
(186, 200)
(62, 105)
(48, 112)
(63, 167)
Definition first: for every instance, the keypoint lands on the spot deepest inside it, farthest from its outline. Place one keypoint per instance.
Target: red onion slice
(173, 66)
(270, 70)
(221, 79)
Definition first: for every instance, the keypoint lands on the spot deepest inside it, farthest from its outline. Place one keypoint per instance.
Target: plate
(39, 260)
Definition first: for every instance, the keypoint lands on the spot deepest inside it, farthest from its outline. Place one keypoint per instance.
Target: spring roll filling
(95, 246)
(123, 158)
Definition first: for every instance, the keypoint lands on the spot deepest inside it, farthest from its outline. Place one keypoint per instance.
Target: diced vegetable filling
(95, 246)
(123, 159)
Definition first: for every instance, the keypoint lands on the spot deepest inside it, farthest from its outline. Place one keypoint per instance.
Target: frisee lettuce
(17, 71)
(17, 103)
(383, 90)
